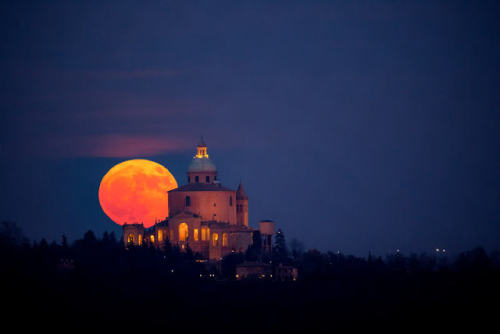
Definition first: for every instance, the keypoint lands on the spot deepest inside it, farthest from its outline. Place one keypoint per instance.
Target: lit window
(224, 240)
(188, 201)
(195, 234)
(160, 235)
(152, 237)
(140, 239)
(130, 239)
(183, 232)
(215, 239)
(203, 233)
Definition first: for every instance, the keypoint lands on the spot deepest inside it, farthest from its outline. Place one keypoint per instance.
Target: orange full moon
(135, 191)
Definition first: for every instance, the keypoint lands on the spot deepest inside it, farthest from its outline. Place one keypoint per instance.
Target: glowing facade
(203, 215)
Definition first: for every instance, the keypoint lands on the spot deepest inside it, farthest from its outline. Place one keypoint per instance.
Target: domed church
(205, 216)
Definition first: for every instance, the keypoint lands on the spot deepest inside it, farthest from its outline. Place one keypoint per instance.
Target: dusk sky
(355, 125)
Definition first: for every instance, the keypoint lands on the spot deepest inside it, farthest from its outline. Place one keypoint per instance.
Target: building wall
(135, 232)
(211, 205)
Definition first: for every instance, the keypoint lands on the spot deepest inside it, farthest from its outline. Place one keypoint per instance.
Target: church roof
(201, 187)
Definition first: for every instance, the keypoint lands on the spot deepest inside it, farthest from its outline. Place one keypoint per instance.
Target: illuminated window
(205, 233)
(188, 201)
(196, 179)
(183, 232)
(152, 237)
(207, 179)
(140, 239)
(195, 234)
(160, 235)
(215, 239)
(231, 201)
(130, 239)
(224, 240)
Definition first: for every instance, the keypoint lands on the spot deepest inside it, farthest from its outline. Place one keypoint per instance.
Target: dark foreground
(96, 283)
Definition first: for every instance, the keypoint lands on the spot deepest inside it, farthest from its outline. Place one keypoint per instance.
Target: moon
(135, 191)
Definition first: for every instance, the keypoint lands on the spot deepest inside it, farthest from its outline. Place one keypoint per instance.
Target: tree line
(96, 277)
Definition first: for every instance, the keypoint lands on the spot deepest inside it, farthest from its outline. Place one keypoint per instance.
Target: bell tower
(241, 206)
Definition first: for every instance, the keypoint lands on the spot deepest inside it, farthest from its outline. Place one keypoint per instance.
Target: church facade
(205, 216)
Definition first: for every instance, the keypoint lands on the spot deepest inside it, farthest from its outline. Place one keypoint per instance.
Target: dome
(203, 165)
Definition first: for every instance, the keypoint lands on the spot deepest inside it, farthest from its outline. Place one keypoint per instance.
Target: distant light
(437, 250)
(444, 250)
(237, 276)
(397, 250)
(172, 270)
(201, 275)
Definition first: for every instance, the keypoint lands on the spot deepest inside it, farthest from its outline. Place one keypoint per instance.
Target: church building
(205, 216)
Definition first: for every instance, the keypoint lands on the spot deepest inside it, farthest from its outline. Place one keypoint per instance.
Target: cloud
(127, 146)
(104, 146)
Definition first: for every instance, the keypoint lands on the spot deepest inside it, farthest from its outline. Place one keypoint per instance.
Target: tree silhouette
(280, 251)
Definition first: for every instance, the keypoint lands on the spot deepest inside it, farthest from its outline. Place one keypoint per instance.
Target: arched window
(215, 239)
(183, 232)
(196, 179)
(140, 239)
(207, 179)
(195, 234)
(160, 235)
(224, 240)
(188, 201)
(230, 200)
(152, 238)
(203, 233)
(130, 239)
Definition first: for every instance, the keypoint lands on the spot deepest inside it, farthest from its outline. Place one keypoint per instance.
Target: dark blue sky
(355, 125)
